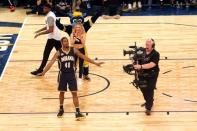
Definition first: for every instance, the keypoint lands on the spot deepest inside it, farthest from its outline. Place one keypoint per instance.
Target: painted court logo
(6, 45)
(7, 42)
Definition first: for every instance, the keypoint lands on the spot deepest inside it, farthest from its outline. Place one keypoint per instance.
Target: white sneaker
(134, 5)
(139, 4)
(129, 7)
(177, 5)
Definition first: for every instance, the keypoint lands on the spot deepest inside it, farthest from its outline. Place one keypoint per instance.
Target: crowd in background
(109, 7)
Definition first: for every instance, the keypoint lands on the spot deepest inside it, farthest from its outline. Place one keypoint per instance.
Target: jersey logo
(67, 58)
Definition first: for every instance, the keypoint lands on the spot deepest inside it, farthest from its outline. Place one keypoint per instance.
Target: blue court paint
(4, 53)
(7, 42)
(10, 24)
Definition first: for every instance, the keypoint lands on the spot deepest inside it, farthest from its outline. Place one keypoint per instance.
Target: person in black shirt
(97, 5)
(62, 8)
(97, 2)
(150, 68)
(66, 77)
(38, 8)
(112, 9)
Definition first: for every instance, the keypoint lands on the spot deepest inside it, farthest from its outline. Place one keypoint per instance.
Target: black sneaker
(148, 112)
(79, 116)
(60, 113)
(86, 77)
(37, 72)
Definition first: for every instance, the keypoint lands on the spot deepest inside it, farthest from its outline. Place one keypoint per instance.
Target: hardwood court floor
(30, 103)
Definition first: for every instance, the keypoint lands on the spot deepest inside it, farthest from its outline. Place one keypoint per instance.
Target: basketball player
(53, 37)
(151, 67)
(66, 78)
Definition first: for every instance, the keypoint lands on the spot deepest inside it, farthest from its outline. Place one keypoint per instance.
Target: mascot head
(77, 17)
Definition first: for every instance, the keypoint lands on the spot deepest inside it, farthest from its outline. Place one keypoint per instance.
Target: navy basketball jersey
(66, 60)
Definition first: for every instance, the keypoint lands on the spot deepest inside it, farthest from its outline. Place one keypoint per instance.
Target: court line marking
(107, 59)
(167, 23)
(97, 92)
(178, 98)
(189, 100)
(166, 72)
(187, 67)
(167, 95)
(99, 112)
(13, 48)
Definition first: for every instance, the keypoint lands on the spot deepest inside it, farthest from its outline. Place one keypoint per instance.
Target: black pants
(82, 70)
(48, 48)
(126, 1)
(148, 92)
(82, 50)
(112, 10)
(183, 1)
(137, 0)
(85, 71)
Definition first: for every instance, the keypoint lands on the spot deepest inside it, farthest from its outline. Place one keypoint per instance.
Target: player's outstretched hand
(36, 36)
(41, 74)
(99, 63)
(36, 32)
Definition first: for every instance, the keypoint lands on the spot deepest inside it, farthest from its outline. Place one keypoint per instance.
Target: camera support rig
(136, 54)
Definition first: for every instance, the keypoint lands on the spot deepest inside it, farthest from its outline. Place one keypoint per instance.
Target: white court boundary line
(13, 48)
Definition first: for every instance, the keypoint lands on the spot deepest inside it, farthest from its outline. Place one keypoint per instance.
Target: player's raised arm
(49, 65)
(42, 29)
(86, 58)
(45, 30)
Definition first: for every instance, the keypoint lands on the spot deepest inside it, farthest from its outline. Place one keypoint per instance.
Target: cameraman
(150, 72)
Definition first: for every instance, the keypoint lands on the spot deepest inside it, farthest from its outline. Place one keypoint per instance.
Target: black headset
(153, 43)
